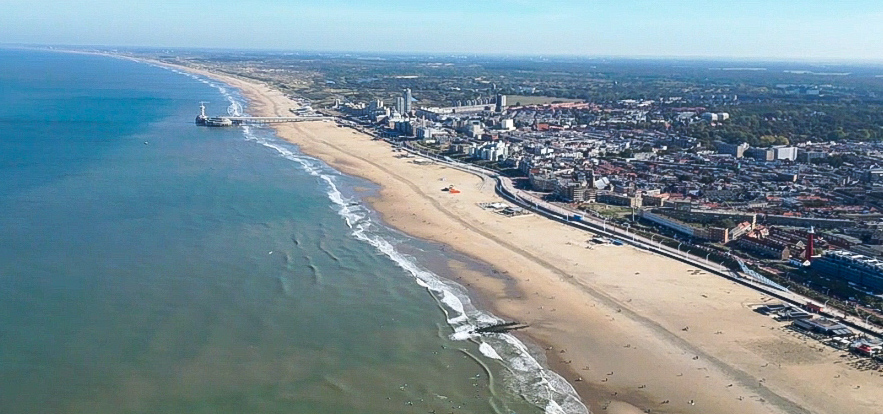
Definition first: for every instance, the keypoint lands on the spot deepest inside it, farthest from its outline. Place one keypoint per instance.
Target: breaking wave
(538, 385)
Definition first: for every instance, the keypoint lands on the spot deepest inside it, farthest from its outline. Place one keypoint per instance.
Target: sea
(148, 265)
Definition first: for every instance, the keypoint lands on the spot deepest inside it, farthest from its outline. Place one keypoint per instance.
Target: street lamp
(706, 257)
(679, 247)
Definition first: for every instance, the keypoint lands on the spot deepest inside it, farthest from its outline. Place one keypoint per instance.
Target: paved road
(507, 189)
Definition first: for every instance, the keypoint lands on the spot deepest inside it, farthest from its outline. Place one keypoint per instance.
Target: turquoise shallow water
(148, 265)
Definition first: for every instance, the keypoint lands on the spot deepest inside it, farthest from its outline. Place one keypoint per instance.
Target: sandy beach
(611, 318)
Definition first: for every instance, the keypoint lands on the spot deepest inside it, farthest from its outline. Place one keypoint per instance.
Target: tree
(727, 223)
(835, 160)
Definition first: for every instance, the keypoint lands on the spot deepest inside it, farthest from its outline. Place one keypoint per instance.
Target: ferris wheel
(235, 109)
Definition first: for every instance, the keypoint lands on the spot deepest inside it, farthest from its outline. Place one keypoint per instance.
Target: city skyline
(808, 30)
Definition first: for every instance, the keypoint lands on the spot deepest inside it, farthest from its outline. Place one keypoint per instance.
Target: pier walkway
(274, 119)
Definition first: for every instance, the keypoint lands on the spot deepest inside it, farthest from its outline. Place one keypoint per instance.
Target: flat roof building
(823, 326)
(852, 267)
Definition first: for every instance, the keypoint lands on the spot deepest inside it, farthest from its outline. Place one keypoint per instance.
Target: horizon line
(526, 55)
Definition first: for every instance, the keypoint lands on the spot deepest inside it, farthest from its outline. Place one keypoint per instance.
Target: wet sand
(611, 319)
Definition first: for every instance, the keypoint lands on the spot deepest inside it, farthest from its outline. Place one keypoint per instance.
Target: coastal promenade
(505, 188)
(594, 310)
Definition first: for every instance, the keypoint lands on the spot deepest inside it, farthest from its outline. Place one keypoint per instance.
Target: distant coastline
(581, 333)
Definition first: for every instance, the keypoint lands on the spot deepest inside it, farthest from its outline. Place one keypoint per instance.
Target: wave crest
(541, 387)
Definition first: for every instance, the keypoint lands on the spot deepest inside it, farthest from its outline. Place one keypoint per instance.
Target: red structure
(809, 245)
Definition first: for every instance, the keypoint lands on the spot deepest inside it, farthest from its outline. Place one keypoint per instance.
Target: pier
(240, 120)
(235, 118)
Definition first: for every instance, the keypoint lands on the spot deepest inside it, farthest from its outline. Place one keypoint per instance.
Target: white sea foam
(529, 378)
(539, 385)
(488, 351)
(544, 388)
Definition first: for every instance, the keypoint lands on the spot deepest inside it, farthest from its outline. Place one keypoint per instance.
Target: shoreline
(658, 330)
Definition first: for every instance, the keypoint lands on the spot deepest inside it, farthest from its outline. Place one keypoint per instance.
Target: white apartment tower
(400, 105)
(406, 95)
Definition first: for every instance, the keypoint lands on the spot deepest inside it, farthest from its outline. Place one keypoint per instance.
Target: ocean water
(148, 265)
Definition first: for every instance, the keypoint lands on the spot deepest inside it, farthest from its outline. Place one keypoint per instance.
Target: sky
(771, 29)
